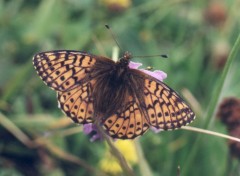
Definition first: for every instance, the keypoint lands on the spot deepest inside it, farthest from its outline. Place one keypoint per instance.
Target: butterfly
(125, 101)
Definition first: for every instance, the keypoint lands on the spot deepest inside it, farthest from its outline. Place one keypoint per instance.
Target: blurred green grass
(196, 43)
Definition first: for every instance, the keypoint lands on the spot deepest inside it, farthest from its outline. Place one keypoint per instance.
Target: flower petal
(134, 65)
(88, 128)
(155, 130)
(160, 75)
(95, 137)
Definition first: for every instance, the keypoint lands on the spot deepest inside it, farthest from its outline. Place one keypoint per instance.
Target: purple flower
(155, 130)
(160, 75)
(91, 129)
(134, 65)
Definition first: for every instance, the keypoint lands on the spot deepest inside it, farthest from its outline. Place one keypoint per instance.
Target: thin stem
(57, 151)
(144, 167)
(216, 94)
(116, 153)
(115, 54)
(178, 171)
(211, 133)
(18, 133)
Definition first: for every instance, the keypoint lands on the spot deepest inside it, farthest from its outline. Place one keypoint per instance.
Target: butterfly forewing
(63, 70)
(165, 108)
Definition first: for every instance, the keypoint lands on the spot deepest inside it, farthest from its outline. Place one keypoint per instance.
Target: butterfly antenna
(113, 36)
(158, 55)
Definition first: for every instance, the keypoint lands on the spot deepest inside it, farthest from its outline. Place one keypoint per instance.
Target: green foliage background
(179, 28)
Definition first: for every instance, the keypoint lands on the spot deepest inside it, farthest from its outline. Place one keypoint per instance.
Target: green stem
(116, 153)
(216, 94)
(213, 104)
(14, 130)
(143, 164)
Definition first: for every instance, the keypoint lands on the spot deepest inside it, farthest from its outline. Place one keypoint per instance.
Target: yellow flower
(110, 165)
(116, 5)
(127, 148)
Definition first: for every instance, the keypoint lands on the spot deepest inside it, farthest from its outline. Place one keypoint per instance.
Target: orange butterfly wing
(78, 103)
(62, 69)
(165, 109)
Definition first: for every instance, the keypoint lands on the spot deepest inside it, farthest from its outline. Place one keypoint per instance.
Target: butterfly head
(125, 59)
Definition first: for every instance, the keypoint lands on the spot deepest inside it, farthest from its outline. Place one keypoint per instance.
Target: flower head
(91, 130)
(229, 111)
(233, 145)
(158, 74)
(117, 5)
(110, 165)
(229, 114)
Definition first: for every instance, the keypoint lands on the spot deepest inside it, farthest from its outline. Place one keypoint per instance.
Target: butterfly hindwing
(165, 108)
(78, 103)
(128, 122)
(62, 69)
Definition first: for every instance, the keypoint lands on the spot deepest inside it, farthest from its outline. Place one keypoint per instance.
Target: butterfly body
(125, 101)
(111, 85)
